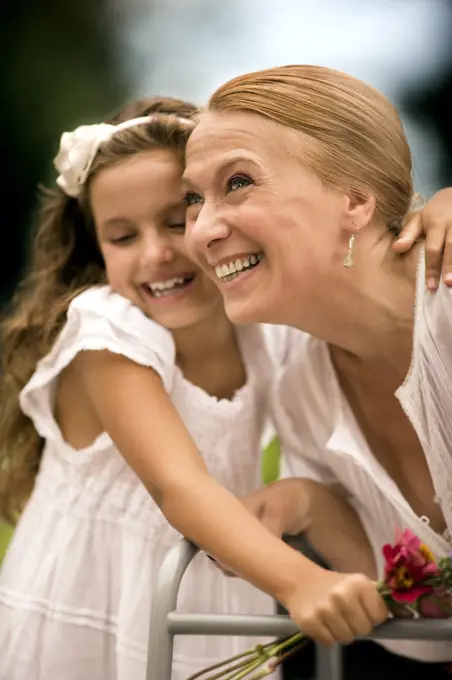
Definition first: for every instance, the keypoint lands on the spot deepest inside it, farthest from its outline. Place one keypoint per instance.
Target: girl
(107, 374)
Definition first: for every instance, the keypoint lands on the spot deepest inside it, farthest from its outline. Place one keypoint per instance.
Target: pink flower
(409, 566)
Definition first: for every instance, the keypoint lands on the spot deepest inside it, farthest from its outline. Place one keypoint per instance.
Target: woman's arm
(303, 506)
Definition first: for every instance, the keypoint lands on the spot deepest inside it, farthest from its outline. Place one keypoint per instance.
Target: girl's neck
(209, 356)
(210, 337)
(367, 311)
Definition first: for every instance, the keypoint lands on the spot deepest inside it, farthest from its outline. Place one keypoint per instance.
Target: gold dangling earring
(348, 259)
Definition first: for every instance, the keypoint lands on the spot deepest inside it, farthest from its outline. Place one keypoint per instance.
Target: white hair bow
(78, 150)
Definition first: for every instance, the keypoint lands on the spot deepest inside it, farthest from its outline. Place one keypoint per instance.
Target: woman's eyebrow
(223, 167)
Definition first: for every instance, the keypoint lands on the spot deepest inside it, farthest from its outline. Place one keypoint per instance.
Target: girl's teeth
(238, 265)
(159, 288)
(163, 285)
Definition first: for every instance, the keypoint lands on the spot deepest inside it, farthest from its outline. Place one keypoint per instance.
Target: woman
(307, 172)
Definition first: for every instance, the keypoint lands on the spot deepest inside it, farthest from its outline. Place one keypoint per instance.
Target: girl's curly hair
(65, 261)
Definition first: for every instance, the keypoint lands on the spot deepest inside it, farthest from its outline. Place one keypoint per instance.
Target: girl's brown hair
(354, 137)
(65, 260)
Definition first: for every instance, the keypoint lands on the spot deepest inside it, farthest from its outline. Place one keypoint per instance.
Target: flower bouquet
(414, 585)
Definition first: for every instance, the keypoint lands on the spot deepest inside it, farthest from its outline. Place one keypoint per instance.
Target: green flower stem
(263, 655)
(251, 660)
(277, 661)
(243, 657)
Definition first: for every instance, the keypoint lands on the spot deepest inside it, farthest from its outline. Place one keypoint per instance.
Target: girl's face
(259, 222)
(139, 215)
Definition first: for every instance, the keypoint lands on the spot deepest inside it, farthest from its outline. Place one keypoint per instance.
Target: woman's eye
(177, 226)
(238, 182)
(191, 198)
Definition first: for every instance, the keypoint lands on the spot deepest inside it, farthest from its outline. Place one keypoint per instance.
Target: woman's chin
(247, 310)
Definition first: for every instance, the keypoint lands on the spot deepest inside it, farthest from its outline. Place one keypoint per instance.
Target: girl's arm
(136, 411)
(134, 408)
(434, 223)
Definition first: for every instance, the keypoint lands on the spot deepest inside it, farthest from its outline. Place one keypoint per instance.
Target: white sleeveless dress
(76, 585)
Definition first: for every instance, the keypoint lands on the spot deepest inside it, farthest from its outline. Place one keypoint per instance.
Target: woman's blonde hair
(65, 260)
(355, 139)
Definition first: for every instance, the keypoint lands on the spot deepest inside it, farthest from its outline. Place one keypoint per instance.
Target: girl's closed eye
(237, 182)
(177, 226)
(123, 239)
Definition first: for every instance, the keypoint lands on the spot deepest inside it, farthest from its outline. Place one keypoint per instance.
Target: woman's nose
(206, 231)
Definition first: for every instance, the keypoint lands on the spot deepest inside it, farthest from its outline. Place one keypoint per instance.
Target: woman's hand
(326, 518)
(283, 506)
(435, 222)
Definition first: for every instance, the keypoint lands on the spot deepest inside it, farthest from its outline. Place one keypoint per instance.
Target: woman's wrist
(299, 503)
(336, 532)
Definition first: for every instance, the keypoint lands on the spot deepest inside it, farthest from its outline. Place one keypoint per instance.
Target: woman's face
(259, 223)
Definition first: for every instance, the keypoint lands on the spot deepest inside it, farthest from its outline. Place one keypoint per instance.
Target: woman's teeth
(170, 286)
(227, 272)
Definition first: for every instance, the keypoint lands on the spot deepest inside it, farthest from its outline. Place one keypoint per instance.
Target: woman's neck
(367, 311)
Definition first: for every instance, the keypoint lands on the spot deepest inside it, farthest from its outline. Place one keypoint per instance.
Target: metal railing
(166, 623)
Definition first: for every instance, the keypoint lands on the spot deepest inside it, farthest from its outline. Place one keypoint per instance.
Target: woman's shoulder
(433, 315)
(432, 344)
(437, 313)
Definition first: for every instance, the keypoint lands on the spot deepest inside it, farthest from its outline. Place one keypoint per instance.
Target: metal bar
(161, 640)
(282, 626)
(329, 663)
(227, 624)
(166, 623)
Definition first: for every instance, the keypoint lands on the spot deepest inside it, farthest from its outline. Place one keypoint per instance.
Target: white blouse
(321, 438)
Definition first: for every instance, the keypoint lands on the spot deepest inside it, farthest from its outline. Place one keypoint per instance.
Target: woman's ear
(359, 211)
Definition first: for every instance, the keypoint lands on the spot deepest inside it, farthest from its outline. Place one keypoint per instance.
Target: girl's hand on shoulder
(435, 223)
